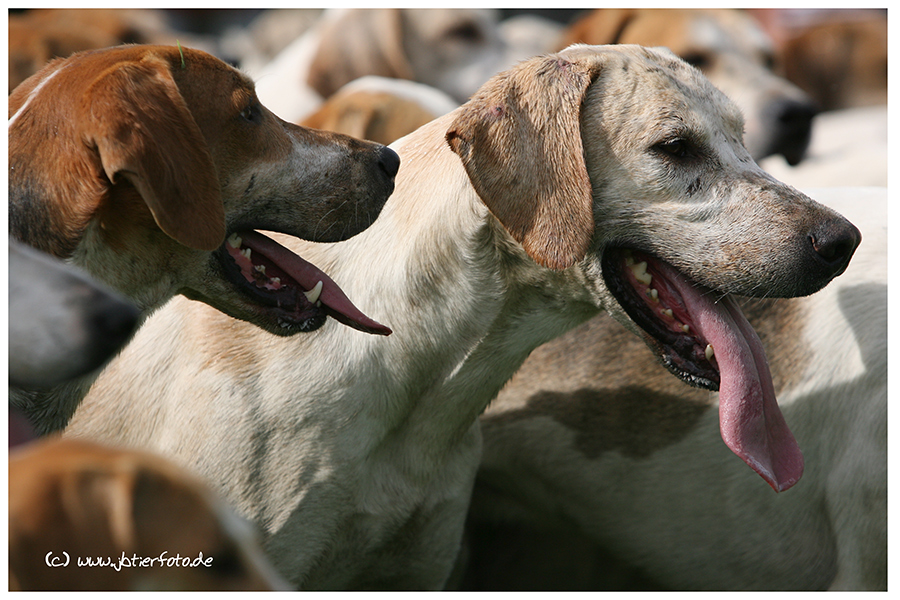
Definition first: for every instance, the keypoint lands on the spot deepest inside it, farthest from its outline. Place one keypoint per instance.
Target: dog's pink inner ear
(144, 132)
(520, 142)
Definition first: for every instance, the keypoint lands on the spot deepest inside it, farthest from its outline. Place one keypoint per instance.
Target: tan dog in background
(511, 223)
(593, 450)
(72, 501)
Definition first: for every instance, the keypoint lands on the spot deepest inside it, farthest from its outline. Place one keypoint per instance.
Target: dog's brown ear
(360, 42)
(144, 132)
(519, 139)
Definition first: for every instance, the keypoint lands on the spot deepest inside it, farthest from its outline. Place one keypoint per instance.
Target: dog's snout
(835, 242)
(389, 161)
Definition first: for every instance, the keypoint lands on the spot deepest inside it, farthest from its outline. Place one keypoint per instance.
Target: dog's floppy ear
(519, 139)
(144, 132)
(360, 42)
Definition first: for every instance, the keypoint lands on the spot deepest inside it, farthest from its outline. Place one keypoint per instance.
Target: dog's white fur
(688, 513)
(357, 455)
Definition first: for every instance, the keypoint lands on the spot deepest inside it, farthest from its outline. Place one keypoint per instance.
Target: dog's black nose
(389, 161)
(834, 242)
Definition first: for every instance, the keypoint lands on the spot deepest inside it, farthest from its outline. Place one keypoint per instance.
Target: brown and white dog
(733, 51)
(136, 162)
(511, 223)
(143, 524)
(592, 447)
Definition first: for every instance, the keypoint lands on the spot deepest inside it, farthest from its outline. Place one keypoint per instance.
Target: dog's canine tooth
(709, 352)
(313, 294)
(640, 272)
(234, 240)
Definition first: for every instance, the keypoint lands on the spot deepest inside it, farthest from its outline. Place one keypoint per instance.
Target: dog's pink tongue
(308, 275)
(750, 420)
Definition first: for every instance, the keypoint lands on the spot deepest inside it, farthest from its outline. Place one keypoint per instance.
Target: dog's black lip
(673, 350)
(285, 307)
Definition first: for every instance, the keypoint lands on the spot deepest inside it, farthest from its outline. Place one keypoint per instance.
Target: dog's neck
(465, 302)
(149, 282)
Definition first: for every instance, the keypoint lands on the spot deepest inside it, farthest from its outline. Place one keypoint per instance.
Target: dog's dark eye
(251, 113)
(675, 147)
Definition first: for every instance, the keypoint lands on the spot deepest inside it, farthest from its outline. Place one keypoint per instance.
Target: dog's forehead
(213, 64)
(181, 60)
(205, 81)
(662, 68)
(666, 81)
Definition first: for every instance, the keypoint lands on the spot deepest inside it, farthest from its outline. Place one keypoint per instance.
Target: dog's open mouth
(296, 291)
(703, 337)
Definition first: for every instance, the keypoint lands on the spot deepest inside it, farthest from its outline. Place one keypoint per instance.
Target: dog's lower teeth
(234, 240)
(709, 352)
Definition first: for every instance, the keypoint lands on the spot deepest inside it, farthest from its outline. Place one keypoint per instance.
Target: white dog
(591, 440)
(509, 225)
